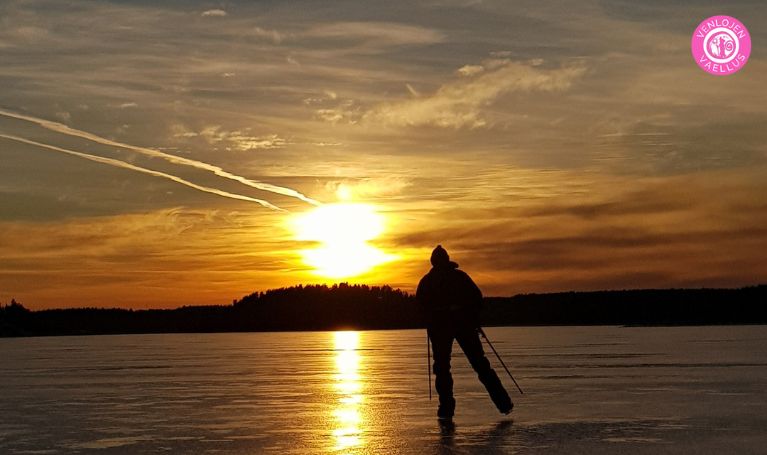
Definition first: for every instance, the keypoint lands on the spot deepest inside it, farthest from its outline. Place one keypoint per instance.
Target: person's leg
(469, 341)
(442, 346)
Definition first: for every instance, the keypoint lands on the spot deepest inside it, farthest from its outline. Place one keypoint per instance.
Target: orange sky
(156, 155)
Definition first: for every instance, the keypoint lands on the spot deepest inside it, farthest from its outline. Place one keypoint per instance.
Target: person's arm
(473, 293)
(420, 292)
(422, 298)
(473, 296)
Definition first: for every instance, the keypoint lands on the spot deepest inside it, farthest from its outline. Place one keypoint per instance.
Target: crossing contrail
(64, 129)
(133, 167)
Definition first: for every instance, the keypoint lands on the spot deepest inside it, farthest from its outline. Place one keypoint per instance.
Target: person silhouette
(452, 303)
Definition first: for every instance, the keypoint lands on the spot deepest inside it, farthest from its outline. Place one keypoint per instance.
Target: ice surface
(587, 390)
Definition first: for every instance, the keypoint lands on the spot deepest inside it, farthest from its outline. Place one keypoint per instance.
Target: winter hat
(439, 256)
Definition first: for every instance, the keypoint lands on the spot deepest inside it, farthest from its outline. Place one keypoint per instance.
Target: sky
(153, 154)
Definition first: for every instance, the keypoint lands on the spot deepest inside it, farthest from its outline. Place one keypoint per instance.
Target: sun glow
(343, 231)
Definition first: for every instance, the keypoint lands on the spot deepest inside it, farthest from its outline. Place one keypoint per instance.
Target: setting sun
(342, 232)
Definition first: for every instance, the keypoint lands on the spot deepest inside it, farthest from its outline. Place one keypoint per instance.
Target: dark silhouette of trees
(340, 306)
(320, 307)
(632, 307)
(13, 317)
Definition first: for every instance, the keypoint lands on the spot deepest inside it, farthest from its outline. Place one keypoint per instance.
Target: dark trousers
(442, 336)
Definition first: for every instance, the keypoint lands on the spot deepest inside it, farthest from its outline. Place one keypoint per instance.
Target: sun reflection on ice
(348, 385)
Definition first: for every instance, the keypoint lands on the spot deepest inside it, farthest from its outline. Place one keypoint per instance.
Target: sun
(342, 232)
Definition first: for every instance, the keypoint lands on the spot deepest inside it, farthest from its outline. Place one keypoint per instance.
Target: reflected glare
(348, 385)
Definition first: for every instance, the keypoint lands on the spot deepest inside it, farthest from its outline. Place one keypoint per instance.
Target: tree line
(347, 306)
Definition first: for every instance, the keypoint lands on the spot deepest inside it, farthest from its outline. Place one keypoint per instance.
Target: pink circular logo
(721, 45)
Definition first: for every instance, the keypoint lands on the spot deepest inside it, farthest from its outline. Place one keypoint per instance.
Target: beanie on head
(439, 256)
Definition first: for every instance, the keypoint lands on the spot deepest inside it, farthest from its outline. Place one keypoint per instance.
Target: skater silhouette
(452, 304)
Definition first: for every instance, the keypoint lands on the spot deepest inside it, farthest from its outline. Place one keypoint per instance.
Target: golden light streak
(347, 414)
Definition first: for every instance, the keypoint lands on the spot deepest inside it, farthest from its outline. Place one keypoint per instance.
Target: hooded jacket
(448, 294)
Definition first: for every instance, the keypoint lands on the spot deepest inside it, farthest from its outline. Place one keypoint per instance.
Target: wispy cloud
(274, 35)
(367, 189)
(460, 103)
(242, 140)
(470, 70)
(214, 13)
(377, 34)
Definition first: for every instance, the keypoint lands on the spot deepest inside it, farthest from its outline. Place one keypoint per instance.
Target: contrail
(64, 129)
(124, 165)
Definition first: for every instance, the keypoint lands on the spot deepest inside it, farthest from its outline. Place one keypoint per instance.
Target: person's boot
(501, 399)
(446, 409)
(506, 408)
(497, 393)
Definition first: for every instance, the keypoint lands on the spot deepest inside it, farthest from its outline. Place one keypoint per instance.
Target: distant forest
(345, 306)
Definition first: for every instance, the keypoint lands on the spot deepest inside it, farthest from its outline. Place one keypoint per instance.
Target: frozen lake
(587, 390)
